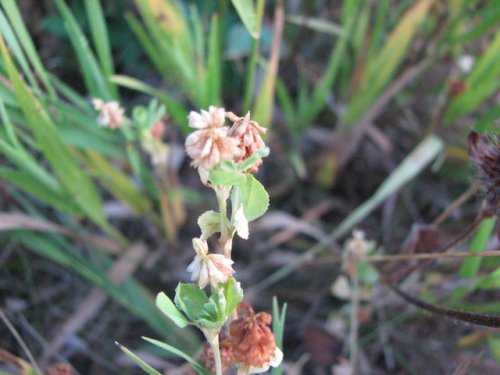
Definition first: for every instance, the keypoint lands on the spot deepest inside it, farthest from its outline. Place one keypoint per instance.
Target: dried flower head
(213, 269)
(226, 354)
(248, 133)
(209, 146)
(253, 343)
(111, 115)
(213, 118)
(485, 152)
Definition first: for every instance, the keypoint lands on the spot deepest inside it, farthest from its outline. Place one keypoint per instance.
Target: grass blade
(171, 349)
(100, 38)
(139, 362)
(470, 266)
(248, 15)
(178, 111)
(381, 69)
(92, 74)
(21, 31)
(78, 184)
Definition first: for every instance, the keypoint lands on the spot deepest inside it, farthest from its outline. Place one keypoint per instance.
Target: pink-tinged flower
(214, 118)
(249, 135)
(111, 115)
(208, 146)
(213, 269)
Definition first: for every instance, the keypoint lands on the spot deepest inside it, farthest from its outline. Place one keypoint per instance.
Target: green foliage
(167, 307)
(254, 197)
(143, 365)
(209, 223)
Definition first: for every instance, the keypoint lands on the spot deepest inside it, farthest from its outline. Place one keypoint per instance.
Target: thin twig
(464, 197)
(486, 320)
(20, 341)
(401, 257)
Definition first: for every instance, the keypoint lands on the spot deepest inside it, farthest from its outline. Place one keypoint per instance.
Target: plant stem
(225, 236)
(214, 344)
(353, 342)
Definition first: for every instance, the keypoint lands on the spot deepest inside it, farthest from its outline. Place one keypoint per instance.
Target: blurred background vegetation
(368, 105)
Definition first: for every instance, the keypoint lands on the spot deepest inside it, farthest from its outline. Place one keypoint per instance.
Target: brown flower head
(226, 353)
(253, 343)
(485, 152)
(248, 133)
(111, 115)
(210, 144)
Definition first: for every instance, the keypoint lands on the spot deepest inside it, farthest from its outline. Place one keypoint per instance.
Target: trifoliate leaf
(240, 222)
(209, 223)
(190, 299)
(167, 307)
(254, 197)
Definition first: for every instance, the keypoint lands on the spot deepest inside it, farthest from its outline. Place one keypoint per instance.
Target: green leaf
(167, 307)
(190, 299)
(92, 74)
(367, 273)
(100, 37)
(175, 109)
(278, 329)
(169, 348)
(26, 42)
(209, 223)
(226, 173)
(254, 198)
(470, 266)
(246, 11)
(233, 294)
(211, 310)
(257, 155)
(78, 184)
(25, 181)
(143, 365)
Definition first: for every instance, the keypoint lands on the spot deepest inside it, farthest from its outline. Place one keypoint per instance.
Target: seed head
(253, 343)
(485, 152)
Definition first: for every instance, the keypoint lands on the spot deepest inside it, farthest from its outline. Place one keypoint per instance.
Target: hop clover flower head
(213, 269)
(254, 344)
(111, 115)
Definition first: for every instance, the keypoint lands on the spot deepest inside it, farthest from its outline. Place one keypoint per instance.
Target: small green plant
(225, 158)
